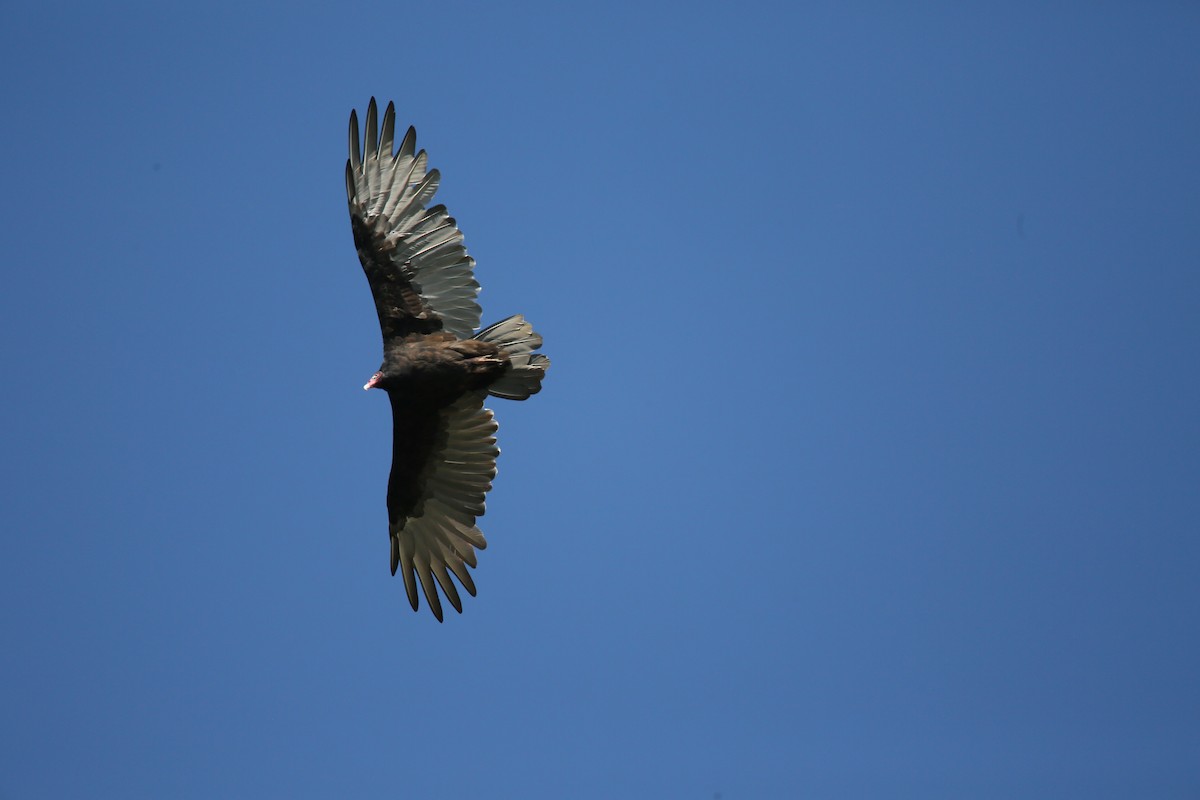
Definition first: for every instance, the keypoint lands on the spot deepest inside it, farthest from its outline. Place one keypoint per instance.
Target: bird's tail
(524, 376)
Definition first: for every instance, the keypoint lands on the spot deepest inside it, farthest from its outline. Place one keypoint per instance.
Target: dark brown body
(439, 368)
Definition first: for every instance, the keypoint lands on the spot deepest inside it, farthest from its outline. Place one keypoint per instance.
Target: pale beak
(375, 379)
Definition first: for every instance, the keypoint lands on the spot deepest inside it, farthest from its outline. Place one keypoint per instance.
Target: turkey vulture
(436, 369)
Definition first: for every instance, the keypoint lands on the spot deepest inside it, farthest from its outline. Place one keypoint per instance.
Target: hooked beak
(375, 379)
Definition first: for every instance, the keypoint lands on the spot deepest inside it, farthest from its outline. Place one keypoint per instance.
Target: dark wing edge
(443, 463)
(420, 274)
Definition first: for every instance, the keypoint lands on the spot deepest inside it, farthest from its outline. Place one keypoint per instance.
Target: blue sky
(867, 465)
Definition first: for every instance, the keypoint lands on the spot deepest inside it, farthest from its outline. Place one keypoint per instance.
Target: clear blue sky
(868, 466)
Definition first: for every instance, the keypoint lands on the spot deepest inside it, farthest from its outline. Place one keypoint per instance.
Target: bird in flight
(436, 368)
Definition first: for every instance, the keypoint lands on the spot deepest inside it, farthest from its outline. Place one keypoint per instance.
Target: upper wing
(420, 274)
(443, 462)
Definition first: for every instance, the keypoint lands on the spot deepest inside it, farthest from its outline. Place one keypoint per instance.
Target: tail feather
(526, 368)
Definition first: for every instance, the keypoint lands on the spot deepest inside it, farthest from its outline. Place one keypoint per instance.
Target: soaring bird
(436, 368)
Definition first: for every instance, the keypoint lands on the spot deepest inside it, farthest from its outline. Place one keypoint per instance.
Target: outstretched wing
(443, 462)
(420, 274)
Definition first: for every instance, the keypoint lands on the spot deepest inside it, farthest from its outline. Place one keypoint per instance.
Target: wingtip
(372, 142)
(408, 145)
(388, 134)
(355, 146)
